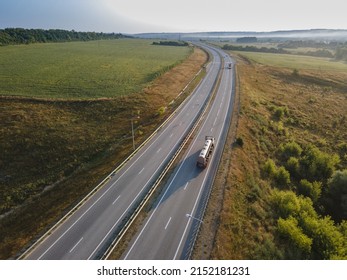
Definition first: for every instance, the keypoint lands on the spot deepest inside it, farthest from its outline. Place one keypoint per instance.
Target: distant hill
(312, 34)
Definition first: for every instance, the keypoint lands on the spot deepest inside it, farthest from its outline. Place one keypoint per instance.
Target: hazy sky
(135, 16)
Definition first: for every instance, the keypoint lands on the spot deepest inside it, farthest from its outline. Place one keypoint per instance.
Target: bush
(290, 149)
(287, 203)
(282, 177)
(279, 113)
(289, 228)
(239, 141)
(328, 241)
(293, 166)
(312, 190)
(269, 169)
(317, 165)
(337, 194)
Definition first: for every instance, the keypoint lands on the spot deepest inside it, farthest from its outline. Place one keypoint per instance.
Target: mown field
(82, 70)
(285, 178)
(55, 150)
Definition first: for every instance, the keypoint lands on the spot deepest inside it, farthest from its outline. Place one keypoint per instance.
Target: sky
(142, 16)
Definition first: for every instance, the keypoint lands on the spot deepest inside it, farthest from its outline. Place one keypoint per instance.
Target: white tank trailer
(206, 152)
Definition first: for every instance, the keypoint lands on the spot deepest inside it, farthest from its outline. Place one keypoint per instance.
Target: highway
(88, 231)
(172, 223)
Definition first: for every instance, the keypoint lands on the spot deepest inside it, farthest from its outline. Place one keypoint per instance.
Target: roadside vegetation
(285, 191)
(56, 145)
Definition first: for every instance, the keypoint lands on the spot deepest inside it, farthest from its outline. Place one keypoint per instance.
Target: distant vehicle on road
(206, 152)
(229, 65)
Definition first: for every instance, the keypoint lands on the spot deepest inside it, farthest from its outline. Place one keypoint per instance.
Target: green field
(82, 70)
(296, 61)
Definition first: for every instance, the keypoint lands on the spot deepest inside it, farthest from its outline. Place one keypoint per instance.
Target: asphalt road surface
(87, 233)
(172, 223)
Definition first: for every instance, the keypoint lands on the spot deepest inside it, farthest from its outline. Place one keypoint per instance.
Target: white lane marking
(159, 150)
(171, 135)
(214, 123)
(80, 217)
(74, 247)
(186, 185)
(141, 170)
(115, 200)
(168, 222)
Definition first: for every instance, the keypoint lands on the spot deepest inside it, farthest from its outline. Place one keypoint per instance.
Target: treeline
(309, 44)
(254, 49)
(15, 36)
(340, 54)
(247, 40)
(171, 43)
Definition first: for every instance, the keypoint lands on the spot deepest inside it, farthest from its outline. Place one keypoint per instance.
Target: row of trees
(340, 53)
(171, 43)
(309, 44)
(310, 201)
(254, 49)
(14, 36)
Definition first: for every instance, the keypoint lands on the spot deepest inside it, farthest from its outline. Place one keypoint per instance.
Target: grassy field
(54, 151)
(297, 62)
(278, 106)
(82, 70)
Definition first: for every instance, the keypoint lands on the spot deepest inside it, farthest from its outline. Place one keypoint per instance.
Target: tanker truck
(206, 152)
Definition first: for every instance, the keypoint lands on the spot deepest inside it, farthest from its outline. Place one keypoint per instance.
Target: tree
(269, 169)
(282, 177)
(317, 165)
(328, 241)
(337, 194)
(293, 166)
(287, 203)
(312, 190)
(290, 149)
(289, 229)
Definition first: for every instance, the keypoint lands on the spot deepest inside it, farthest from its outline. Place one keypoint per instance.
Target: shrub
(293, 166)
(328, 241)
(312, 190)
(289, 228)
(279, 113)
(282, 177)
(239, 141)
(317, 165)
(337, 192)
(269, 169)
(290, 149)
(287, 203)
